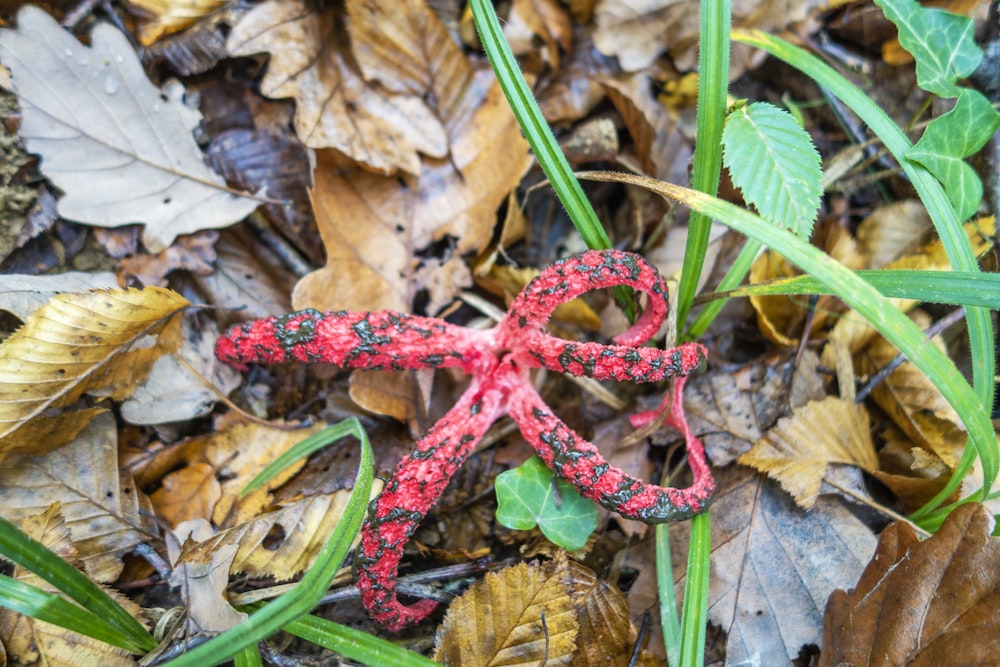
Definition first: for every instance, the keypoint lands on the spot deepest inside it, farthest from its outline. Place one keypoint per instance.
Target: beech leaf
(120, 149)
(525, 499)
(521, 615)
(924, 604)
(79, 343)
(772, 160)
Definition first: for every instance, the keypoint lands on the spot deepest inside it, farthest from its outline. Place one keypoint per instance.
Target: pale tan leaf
(797, 451)
(892, 231)
(773, 565)
(104, 512)
(32, 642)
(24, 294)
(499, 620)
(121, 150)
(929, 603)
(912, 474)
(544, 19)
(335, 106)
(79, 343)
(280, 544)
(203, 580)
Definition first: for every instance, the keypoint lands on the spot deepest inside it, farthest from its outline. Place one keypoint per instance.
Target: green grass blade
(34, 556)
(894, 325)
(309, 591)
(694, 618)
(300, 450)
(713, 86)
(669, 616)
(956, 245)
(734, 276)
(960, 288)
(536, 130)
(355, 644)
(57, 610)
(248, 657)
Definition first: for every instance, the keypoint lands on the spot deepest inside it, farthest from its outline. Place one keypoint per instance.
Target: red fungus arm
(415, 486)
(580, 463)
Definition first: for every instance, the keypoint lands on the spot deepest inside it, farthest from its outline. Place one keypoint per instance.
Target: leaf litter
(410, 151)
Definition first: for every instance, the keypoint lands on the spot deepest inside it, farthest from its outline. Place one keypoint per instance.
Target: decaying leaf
(30, 642)
(607, 637)
(797, 451)
(280, 544)
(773, 565)
(203, 579)
(98, 342)
(336, 107)
(931, 603)
(105, 514)
(187, 494)
(519, 615)
(120, 150)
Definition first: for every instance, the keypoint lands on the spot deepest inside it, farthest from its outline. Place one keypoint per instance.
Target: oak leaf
(104, 512)
(120, 149)
(103, 341)
(797, 451)
(931, 603)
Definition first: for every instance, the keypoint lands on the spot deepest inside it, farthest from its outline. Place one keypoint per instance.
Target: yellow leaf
(74, 344)
(798, 449)
(188, 493)
(521, 615)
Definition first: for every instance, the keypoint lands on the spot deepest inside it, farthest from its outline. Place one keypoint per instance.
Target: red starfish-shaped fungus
(499, 361)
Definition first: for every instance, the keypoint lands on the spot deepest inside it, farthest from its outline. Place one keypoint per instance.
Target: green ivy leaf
(525, 498)
(942, 44)
(951, 137)
(773, 161)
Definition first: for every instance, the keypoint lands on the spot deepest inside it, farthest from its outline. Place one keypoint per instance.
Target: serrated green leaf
(525, 498)
(772, 160)
(942, 44)
(951, 137)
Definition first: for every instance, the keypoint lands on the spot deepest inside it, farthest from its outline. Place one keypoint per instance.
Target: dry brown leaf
(30, 642)
(336, 107)
(932, 603)
(237, 451)
(120, 149)
(403, 395)
(280, 544)
(544, 19)
(892, 231)
(797, 451)
(607, 637)
(912, 474)
(516, 616)
(188, 493)
(773, 565)
(77, 343)
(375, 230)
(170, 16)
(104, 512)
